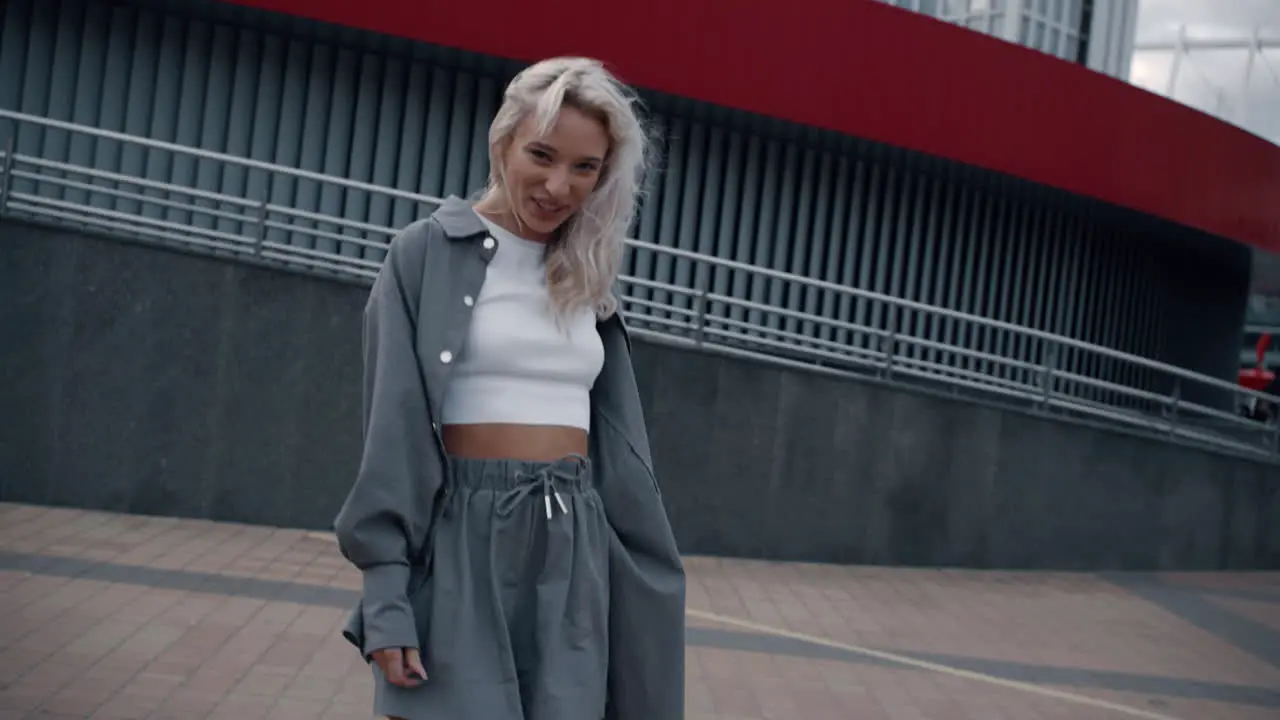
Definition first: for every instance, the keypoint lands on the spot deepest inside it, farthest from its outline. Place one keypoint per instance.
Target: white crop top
(516, 365)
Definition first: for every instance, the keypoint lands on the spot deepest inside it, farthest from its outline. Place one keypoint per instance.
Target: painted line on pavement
(931, 666)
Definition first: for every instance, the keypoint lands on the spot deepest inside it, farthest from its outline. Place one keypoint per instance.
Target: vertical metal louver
(730, 185)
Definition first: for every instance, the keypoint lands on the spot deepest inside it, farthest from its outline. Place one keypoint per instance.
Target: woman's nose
(557, 183)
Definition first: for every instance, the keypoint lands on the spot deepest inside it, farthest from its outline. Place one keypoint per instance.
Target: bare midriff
(538, 443)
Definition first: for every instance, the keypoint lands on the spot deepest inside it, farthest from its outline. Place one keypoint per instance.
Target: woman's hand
(401, 667)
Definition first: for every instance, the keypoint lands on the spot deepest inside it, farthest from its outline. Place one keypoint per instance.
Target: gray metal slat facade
(413, 117)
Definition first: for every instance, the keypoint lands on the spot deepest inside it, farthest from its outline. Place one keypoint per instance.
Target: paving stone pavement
(112, 616)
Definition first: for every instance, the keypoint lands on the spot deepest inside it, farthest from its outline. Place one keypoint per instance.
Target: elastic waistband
(570, 471)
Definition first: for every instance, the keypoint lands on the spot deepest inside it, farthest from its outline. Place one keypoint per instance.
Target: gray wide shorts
(512, 607)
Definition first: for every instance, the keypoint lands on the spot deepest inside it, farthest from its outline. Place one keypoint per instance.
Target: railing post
(890, 347)
(261, 236)
(890, 342)
(1173, 405)
(1046, 374)
(6, 171)
(700, 321)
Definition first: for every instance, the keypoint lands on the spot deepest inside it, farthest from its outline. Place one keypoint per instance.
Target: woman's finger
(413, 663)
(391, 660)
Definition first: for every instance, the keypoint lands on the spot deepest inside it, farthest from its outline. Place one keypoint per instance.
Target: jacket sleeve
(646, 574)
(384, 521)
(646, 607)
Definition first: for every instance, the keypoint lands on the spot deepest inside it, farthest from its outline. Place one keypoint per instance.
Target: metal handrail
(816, 283)
(635, 243)
(946, 313)
(211, 155)
(705, 324)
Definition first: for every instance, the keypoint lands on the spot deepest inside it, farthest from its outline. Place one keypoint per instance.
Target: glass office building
(1096, 34)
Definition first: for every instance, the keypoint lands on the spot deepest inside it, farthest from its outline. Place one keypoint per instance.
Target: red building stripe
(873, 71)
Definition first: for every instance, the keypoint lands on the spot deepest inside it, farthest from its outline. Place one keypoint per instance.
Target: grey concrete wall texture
(146, 381)
(413, 116)
(154, 381)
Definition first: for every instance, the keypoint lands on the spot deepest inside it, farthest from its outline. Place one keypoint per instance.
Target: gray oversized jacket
(415, 318)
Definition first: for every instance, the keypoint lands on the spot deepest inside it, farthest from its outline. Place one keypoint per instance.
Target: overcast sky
(1213, 80)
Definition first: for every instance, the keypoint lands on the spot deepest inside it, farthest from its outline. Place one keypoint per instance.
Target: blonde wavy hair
(584, 260)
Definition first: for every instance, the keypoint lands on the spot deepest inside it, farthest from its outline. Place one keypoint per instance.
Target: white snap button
(446, 357)
(468, 301)
(488, 243)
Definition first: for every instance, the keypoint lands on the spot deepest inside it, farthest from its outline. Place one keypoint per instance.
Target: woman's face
(550, 177)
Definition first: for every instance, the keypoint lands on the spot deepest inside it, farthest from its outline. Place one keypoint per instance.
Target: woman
(517, 560)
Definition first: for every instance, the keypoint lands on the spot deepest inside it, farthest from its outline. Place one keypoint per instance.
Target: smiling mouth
(551, 208)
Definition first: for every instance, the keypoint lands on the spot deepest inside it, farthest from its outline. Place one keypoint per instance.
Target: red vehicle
(1258, 378)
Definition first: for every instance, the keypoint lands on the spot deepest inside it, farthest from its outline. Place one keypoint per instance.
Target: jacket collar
(458, 219)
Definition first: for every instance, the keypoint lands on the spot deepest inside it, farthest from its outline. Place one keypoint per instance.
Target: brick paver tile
(1266, 614)
(111, 647)
(1056, 619)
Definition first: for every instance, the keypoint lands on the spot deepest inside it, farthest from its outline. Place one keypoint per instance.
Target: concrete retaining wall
(154, 381)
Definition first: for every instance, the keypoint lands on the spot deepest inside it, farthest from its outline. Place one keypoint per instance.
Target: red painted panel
(870, 70)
